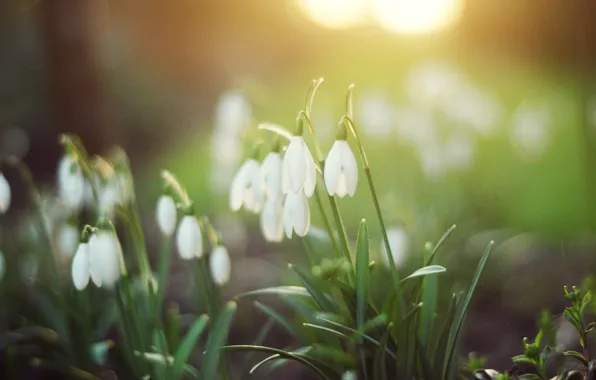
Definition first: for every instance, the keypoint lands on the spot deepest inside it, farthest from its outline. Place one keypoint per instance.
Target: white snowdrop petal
(80, 267)
(271, 170)
(349, 375)
(220, 265)
(342, 189)
(68, 239)
(166, 215)
(296, 163)
(302, 223)
(247, 189)
(288, 215)
(332, 170)
(310, 180)
(350, 169)
(95, 252)
(107, 251)
(71, 183)
(5, 195)
(285, 177)
(189, 240)
(272, 225)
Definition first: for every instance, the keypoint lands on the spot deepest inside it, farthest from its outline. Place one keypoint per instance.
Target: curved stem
(395, 276)
(327, 224)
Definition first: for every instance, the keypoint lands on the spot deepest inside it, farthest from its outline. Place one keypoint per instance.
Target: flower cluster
(280, 187)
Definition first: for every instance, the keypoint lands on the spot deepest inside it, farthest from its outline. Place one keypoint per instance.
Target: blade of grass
(217, 338)
(456, 327)
(439, 244)
(425, 271)
(281, 320)
(188, 344)
(313, 289)
(281, 353)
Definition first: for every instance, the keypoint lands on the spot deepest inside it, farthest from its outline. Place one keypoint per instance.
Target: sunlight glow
(416, 16)
(336, 14)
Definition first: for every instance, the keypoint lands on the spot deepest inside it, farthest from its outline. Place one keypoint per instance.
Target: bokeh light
(336, 14)
(416, 16)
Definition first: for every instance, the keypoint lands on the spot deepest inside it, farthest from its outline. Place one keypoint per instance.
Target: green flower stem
(327, 223)
(35, 196)
(395, 275)
(126, 329)
(163, 271)
(333, 202)
(173, 183)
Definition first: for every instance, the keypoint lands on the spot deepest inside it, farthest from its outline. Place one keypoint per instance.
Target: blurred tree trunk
(77, 97)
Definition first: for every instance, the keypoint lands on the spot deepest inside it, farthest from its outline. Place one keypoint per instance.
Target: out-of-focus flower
(272, 220)
(349, 375)
(220, 265)
(376, 114)
(431, 83)
(5, 194)
(341, 170)
(189, 239)
(71, 183)
(298, 169)
(81, 270)
(271, 174)
(530, 130)
(247, 188)
(166, 215)
(296, 214)
(105, 255)
(399, 243)
(68, 239)
(459, 151)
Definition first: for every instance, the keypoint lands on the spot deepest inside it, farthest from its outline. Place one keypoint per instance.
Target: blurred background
(475, 113)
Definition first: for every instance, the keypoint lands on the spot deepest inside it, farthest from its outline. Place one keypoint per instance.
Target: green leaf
(188, 344)
(459, 321)
(577, 355)
(313, 288)
(438, 245)
(159, 360)
(379, 366)
(362, 275)
(585, 301)
(523, 359)
(277, 129)
(429, 290)
(281, 353)
(281, 320)
(278, 290)
(327, 329)
(172, 328)
(217, 338)
(431, 269)
(441, 350)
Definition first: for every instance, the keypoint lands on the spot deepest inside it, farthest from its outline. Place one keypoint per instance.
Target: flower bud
(4, 194)
(166, 215)
(220, 265)
(189, 239)
(80, 267)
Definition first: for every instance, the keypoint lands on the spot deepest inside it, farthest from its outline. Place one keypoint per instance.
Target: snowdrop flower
(2, 265)
(341, 169)
(296, 215)
(272, 222)
(81, 270)
(189, 239)
(105, 255)
(399, 242)
(271, 173)
(68, 238)
(247, 188)
(71, 183)
(109, 196)
(4, 194)
(349, 375)
(166, 215)
(220, 265)
(298, 168)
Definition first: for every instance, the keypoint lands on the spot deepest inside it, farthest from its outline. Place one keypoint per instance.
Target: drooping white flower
(349, 375)
(2, 265)
(272, 220)
(71, 183)
(189, 239)
(108, 194)
(247, 188)
(341, 170)
(298, 170)
(5, 194)
(220, 265)
(399, 243)
(296, 214)
(166, 215)
(271, 173)
(81, 270)
(125, 187)
(105, 255)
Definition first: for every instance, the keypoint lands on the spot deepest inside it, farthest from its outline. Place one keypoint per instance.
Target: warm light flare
(336, 14)
(416, 16)
(398, 16)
